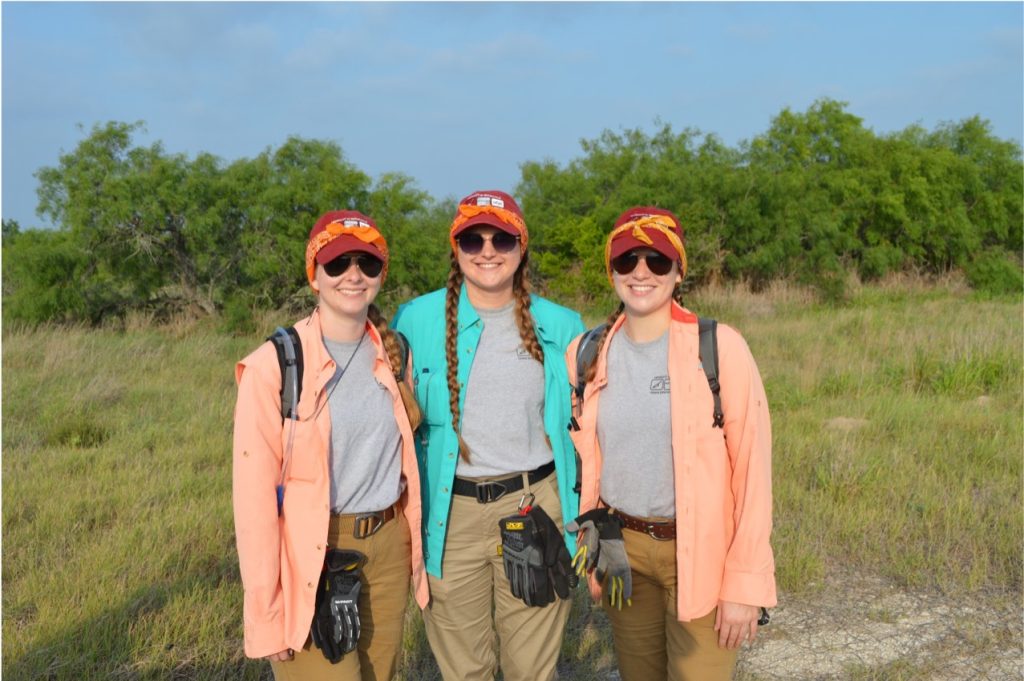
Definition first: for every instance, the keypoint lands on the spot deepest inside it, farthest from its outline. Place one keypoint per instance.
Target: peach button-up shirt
(281, 556)
(722, 477)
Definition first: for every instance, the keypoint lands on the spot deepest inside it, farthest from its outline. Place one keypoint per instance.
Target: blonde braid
(524, 319)
(609, 323)
(390, 340)
(451, 347)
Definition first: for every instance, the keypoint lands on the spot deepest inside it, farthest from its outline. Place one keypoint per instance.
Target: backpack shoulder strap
(709, 361)
(586, 353)
(289, 358)
(403, 346)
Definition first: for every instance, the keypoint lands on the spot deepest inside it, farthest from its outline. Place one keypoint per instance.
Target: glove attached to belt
(537, 564)
(601, 547)
(335, 627)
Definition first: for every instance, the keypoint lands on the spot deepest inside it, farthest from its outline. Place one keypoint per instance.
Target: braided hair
(524, 321)
(394, 352)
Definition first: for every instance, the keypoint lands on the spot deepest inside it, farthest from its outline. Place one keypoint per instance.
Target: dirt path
(868, 628)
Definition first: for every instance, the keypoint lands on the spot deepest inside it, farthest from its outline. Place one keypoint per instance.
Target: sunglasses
(657, 263)
(367, 264)
(472, 243)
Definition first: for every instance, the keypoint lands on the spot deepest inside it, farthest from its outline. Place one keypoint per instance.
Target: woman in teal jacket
(491, 381)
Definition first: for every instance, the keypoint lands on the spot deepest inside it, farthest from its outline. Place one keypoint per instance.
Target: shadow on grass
(103, 648)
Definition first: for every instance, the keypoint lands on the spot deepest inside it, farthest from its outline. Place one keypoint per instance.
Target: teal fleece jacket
(422, 322)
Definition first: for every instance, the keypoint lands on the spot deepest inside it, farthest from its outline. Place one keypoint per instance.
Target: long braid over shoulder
(524, 319)
(412, 408)
(451, 346)
(608, 323)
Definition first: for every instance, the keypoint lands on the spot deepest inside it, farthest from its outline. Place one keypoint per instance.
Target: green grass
(118, 547)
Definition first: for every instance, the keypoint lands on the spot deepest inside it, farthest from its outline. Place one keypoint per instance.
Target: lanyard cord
(295, 411)
(340, 376)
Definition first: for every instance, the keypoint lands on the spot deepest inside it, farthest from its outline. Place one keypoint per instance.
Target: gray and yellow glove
(601, 547)
(335, 627)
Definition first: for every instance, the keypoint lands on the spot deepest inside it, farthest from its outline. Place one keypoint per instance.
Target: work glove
(556, 556)
(522, 554)
(601, 547)
(335, 627)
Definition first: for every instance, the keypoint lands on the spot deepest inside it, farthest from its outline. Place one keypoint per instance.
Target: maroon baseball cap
(626, 241)
(341, 231)
(489, 207)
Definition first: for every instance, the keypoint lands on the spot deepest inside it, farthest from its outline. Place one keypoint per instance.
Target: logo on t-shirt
(659, 384)
(523, 353)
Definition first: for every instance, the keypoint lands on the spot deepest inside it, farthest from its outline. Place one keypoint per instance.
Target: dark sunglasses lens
(658, 264)
(504, 242)
(367, 264)
(337, 267)
(625, 263)
(471, 243)
(370, 265)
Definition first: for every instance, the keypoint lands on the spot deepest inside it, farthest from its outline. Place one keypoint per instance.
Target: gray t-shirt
(503, 413)
(366, 454)
(634, 428)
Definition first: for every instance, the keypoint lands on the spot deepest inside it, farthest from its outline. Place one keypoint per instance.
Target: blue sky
(457, 95)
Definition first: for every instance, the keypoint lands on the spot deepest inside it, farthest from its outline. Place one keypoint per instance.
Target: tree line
(815, 197)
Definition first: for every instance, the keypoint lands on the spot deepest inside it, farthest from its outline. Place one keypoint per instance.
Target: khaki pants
(459, 622)
(650, 642)
(384, 593)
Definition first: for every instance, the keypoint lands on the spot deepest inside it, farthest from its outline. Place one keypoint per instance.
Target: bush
(995, 272)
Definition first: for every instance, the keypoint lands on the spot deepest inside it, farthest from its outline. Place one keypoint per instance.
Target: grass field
(898, 452)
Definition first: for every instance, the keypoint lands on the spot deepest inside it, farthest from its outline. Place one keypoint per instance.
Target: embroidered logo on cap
(488, 200)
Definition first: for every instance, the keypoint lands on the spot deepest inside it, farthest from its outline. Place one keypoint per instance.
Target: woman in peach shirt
(340, 474)
(677, 502)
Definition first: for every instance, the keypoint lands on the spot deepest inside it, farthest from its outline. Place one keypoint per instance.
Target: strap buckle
(652, 535)
(367, 524)
(486, 492)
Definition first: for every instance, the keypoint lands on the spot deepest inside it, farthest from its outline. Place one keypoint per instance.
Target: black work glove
(335, 627)
(522, 554)
(556, 556)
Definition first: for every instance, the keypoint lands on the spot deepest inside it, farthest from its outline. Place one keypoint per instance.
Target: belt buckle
(364, 526)
(484, 494)
(651, 527)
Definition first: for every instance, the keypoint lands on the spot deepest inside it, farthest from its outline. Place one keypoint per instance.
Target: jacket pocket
(307, 450)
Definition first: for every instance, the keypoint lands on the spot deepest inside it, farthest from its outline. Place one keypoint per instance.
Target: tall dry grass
(897, 431)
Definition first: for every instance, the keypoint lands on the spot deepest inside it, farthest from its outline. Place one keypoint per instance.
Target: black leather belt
(492, 490)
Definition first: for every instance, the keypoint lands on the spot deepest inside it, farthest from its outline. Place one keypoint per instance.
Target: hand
(736, 623)
(282, 656)
(587, 532)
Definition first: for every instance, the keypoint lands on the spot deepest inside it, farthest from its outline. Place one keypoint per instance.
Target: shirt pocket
(432, 395)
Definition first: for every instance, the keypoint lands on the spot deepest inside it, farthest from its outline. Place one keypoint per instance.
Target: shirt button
(440, 523)
(309, 585)
(319, 547)
(444, 489)
(245, 453)
(451, 455)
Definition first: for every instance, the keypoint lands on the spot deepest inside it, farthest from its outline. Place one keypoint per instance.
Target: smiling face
(348, 295)
(642, 292)
(489, 273)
